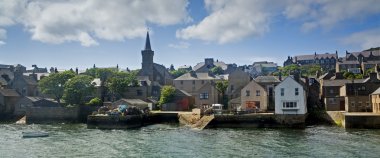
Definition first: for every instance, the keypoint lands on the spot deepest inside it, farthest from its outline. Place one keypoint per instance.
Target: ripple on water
(162, 140)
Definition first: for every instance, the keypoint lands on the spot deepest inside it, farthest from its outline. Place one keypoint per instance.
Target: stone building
(8, 99)
(236, 81)
(357, 95)
(254, 97)
(327, 61)
(269, 83)
(200, 85)
(151, 74)
(358, 61)
(375, 100)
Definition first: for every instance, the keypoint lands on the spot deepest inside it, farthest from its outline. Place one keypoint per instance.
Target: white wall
(289, 85)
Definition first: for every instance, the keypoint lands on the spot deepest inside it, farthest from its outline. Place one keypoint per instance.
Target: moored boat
(34, 134)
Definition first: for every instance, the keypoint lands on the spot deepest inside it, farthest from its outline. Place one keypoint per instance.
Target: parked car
(217, 108)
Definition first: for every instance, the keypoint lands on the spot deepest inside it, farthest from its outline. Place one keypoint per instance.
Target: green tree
(103, 74)
(289, 68)
(177, 73)
(95, 102)
(54, 84)
(350, 75)
(119, 82)
(310, 70)
(222, 86)
(167, 94)
(78, 89)
(217, 70)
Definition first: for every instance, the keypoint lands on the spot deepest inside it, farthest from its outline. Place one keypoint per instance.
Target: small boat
(34, 134)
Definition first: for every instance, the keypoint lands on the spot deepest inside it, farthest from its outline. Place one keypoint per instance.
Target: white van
(217, 108)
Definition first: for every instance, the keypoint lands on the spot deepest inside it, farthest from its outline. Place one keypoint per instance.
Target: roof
(9, 92)
(162, 70)
(182, 93)
(315, 56)
(197, 76)
(184, 67)
(377, 91)
(30, 80)
(217, 63)
(267, 79)
(147, 42)
(2, 66)
(366, 53)
(340, 82)
(39, 75)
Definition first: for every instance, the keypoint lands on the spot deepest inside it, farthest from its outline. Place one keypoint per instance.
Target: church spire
(147, 42)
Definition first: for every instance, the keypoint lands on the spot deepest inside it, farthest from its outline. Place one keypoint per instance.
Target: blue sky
(79, 33)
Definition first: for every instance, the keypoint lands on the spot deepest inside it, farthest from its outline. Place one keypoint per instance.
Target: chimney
(339, 75)
(209, 61)
(373, 76)
(193, 74)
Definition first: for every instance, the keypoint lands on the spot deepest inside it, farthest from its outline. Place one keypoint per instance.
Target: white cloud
(3, 35)
(180, 45)
(85, 21)
(230, 21)
(366, 39)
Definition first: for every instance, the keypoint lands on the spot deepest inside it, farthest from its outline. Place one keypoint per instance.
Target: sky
(80, 33)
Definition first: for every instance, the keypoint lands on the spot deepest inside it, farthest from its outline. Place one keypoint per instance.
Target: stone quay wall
(52, 114)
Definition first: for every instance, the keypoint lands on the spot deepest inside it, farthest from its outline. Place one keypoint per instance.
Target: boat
(34, 134)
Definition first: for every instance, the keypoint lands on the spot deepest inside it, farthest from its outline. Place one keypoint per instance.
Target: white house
(290, 97)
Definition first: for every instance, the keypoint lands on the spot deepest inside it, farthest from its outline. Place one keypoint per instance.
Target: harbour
(160, 140)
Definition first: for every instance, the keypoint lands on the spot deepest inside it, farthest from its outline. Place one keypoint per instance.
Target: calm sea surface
(75, 140)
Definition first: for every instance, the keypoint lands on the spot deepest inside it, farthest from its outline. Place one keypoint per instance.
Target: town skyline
(31, 32)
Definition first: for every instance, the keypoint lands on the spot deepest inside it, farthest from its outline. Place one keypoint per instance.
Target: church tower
(147, 59)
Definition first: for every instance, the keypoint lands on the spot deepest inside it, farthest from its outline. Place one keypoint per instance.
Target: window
(331, 91)
(257, 92)
(139, 92)
(353, 104)
(203, 96)
(282, 91)
(247, 93)
(193, 82)
(289, 105)
(203, 82)
(232, 87)
(181, 82)
(296, 91)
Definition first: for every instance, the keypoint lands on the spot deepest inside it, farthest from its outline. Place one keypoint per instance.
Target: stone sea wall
(52, 114)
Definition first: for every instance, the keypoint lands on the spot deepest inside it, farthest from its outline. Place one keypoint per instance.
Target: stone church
(151, 74)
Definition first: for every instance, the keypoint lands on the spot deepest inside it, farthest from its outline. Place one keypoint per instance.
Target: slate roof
(312, 57)
(340, 82)
(261, 79)
(162, 70)
(366, 53)
(198, 76)
(30, 80)
(218, 63)
(9, 92)
(377, 91)
(2, 66)
(184, 67)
